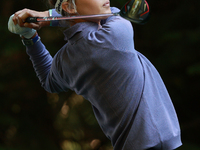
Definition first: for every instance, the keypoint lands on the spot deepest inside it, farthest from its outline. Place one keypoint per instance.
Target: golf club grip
(31, 19)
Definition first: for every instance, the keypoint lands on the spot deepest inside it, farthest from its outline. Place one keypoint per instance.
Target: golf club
(136, 11)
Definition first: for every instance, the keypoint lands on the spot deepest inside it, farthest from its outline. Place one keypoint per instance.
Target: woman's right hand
(20, 17)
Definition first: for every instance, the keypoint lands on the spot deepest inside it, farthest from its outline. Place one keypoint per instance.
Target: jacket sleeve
(45, 68)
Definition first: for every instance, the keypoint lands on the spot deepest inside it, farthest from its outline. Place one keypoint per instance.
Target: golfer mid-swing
(99, 62)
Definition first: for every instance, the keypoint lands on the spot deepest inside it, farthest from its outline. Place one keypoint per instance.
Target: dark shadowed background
(32, 119)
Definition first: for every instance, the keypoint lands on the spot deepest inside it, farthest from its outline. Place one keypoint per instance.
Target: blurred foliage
(31, 118)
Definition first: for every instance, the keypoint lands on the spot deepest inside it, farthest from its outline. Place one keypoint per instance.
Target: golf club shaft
(39, 19)
(136, 11)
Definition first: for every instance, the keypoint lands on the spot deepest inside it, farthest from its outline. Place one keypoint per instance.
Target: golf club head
(136, 11)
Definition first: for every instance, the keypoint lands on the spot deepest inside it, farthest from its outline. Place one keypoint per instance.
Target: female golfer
(99, 62)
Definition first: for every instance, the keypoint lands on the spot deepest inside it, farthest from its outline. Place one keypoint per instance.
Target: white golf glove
(22, 31)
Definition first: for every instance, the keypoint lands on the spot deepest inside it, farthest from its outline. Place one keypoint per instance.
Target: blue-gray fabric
(127, 94)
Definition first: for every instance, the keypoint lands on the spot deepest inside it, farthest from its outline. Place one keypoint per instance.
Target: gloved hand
(22, 31)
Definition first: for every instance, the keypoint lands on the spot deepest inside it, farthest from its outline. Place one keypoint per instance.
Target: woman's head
(81, 7)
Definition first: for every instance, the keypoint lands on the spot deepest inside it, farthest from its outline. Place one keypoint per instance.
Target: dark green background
(30, 118)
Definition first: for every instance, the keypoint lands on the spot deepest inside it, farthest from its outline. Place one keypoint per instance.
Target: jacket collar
(78, 28)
